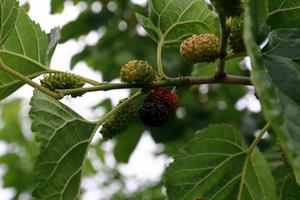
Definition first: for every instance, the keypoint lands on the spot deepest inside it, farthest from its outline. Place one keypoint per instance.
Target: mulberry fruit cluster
(62, 80)
(120, 121)
(200, 48)
(236, 40)
(137, 71)
(230, 8)
(159, 104)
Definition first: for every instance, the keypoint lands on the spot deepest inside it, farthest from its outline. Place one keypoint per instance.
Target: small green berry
(200, 48)
(120, 121)
(62, 80)
(137, 71)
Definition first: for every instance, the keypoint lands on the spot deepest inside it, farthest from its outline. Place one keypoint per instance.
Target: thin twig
(27, 80)
(120, 106)
(225, 31)
(178, 82)
(259, 137)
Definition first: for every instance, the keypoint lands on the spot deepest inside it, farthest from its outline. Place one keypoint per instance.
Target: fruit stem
(28, 81)
(159, 59)
(225, 31)
(259, 137)
(177, 82)
(120, 106)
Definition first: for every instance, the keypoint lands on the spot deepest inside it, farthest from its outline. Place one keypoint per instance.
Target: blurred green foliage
(20, 150)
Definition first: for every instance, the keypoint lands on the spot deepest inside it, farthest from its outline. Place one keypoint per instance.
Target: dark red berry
(157, 107)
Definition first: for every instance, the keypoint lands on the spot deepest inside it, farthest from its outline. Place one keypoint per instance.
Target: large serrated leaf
(216, 165)
(284, 14)
(65, 137)
(8, 16)
(175, 20)
(25, 51)
(277, 99)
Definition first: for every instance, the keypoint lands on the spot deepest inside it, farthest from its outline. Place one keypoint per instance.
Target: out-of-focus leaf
(126, 143)
(209, 69)
(18, 174)
(89, 169)
(11, 131)
(57, 6)
(216, 165)
(290, 189)
(87, 21)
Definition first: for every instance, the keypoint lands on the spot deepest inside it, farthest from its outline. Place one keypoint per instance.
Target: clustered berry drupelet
(137, 71)
(62, 80)
(157, 107)
(230, 8)
(120, 121)
(236, 40)
(200, 48)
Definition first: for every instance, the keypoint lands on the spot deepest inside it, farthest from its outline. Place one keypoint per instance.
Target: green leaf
(11, 131)
(65, 137)
(284, 14)
(285, 75)
(25, 51)
(290, 189)
(148, 26)
(259, 15)
(278, 105)
(8, 16)
(217, 165)
(57, 6)
(177, 19)
(126, 143)
(285, 43)
(53, 38)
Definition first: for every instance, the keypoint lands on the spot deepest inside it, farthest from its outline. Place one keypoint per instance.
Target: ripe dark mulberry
(62, 80)
(157, 107)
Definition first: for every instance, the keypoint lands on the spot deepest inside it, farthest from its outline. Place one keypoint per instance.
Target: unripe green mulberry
(200, 48)
(230, 8)
(137, 71)
(236, 39)
(62, 80)
(119, 122)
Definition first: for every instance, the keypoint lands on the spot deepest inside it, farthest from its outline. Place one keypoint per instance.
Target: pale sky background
(143, 165)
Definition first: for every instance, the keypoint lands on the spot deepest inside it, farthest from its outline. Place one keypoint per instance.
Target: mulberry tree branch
(178, 82)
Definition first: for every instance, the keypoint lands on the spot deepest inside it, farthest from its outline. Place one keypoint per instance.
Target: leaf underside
(171, 21)
(64, 138)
